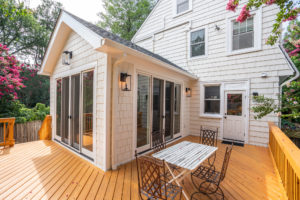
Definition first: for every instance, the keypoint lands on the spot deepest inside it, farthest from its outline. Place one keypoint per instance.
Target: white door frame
(243, 92)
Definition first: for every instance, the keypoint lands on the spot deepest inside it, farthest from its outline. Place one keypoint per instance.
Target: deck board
(45, 170)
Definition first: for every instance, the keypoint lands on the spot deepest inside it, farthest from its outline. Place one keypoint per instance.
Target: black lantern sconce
(125, 82)
(188, 92)
(66, 57)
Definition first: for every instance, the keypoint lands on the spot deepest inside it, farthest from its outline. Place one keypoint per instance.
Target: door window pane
(177, 103)
(87, 106)
(65, 110)
(234, 104)
(157, 105)
(143, 110)
(169, 105)
(75, 120)
(212, 99)
(58, 107)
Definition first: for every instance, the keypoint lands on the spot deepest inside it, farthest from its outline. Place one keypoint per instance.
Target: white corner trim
(257, 21)
(205, 28)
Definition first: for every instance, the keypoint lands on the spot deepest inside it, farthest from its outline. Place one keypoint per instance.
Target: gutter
(290, 79)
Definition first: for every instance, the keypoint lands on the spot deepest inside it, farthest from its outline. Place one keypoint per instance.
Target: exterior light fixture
(125, 80)
(217, 28)
(255, 94)
(264, 75)
(66, 57)
(188, 92)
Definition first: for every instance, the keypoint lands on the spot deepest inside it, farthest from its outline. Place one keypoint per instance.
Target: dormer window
(182, 6)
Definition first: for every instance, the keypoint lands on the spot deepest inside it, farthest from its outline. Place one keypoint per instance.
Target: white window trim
(205, 28)
(182, 13)
(202, 100)
(257, 22)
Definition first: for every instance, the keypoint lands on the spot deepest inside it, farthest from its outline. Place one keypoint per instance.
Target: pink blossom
(245, 13)
(295, 102)
(294, 52)
(231, 5)
(270, 2)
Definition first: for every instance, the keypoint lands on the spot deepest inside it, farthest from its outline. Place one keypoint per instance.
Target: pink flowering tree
(10, 75)
(288, 10)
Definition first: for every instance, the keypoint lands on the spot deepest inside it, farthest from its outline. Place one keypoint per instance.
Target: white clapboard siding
(168, 36)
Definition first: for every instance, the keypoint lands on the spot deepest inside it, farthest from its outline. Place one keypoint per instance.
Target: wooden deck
(45, 170)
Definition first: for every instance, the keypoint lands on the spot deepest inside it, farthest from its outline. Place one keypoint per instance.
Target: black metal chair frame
(211, 178)
(151, 179)
(209, 137)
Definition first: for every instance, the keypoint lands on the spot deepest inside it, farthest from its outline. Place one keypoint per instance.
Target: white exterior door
(234, 116)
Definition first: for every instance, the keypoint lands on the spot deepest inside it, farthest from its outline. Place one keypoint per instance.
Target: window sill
(198, 57)
(182, 13)
(215, 116)
(242, 51)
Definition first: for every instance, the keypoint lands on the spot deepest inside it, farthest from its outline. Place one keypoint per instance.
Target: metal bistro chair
(152, 182)
(209, 137)
(211, 178)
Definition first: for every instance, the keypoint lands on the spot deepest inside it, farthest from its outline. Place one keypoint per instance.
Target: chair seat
(207, 173)
(170, 191)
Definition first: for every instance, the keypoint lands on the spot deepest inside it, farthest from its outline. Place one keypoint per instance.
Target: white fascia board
(91, 37)
(125, 49)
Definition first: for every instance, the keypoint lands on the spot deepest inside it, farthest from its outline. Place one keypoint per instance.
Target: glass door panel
(158, 92)
(65, 110)
(75, 100)
(169, 105)
(143, 111)
(58, 107)
(177, 103)
(87, 110)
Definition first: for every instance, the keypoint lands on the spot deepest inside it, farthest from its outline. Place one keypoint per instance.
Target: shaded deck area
(45, 170)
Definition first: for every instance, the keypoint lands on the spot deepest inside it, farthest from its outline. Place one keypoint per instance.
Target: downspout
(290, 79)
(114, 80)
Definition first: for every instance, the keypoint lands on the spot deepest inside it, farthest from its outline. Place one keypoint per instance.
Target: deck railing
(7, 132)
(46, 130)
(287, 158)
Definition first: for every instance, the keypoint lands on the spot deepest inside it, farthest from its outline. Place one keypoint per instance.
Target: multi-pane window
(212, 100)
(243, 34)
(182, 5)
(198, 43)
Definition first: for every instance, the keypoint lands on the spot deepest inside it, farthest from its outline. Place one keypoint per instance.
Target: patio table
(186, 155)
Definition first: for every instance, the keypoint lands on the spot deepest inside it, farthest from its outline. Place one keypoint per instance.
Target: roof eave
(126, 49)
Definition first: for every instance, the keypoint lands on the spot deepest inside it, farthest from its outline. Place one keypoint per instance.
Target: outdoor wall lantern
(188, 92)
(66, 57)
(125, 81)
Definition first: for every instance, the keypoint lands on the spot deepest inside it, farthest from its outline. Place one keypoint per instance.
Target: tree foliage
(20, 31)
(124, 17)
(288, 10)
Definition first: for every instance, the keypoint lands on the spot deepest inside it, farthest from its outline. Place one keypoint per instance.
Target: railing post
(46, 130)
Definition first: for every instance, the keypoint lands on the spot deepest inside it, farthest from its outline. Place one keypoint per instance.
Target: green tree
(124, 17)
(46, 14)
(19, 30)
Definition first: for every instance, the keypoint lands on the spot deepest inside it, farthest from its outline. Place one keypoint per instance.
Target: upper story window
(182, 6)
(212, 99)
(197, 43)
(243, 34)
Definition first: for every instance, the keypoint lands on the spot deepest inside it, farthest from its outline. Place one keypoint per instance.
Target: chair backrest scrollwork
(225, 162)
(208, 136)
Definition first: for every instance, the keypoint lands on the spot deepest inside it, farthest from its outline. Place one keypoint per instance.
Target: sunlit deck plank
(47, 170)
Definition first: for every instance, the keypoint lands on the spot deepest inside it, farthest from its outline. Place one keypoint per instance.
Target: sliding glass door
(74, 111)
(158, 109)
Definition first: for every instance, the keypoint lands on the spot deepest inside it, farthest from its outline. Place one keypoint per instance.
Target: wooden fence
(27, 132)
(287, 158)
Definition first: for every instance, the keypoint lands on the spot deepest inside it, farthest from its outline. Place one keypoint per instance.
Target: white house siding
(84, 54)
(171, 41)
(124, 104)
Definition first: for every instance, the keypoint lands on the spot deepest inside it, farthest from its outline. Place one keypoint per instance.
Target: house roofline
(124, 48)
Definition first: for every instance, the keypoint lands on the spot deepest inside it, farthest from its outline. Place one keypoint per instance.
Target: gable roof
(106, 34)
